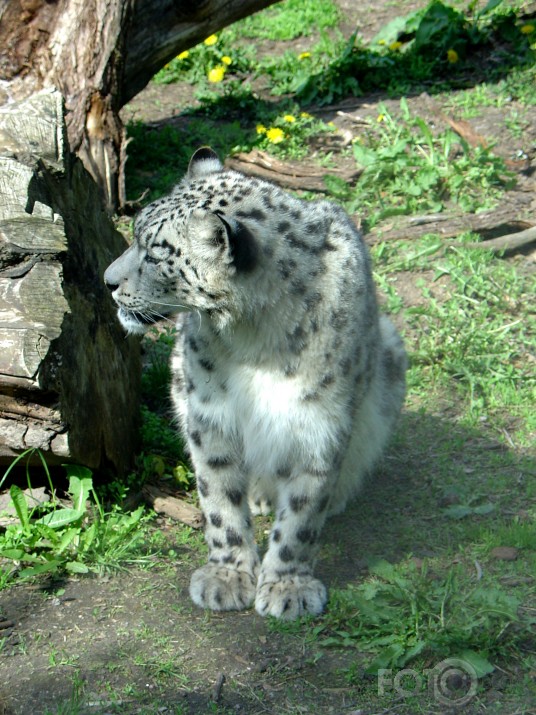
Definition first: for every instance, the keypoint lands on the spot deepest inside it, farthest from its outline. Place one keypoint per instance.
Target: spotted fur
(286, 381)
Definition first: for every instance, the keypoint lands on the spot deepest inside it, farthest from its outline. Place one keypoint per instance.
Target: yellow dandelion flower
(226, 60)
(289, 118)
(261, 129)
(211, 40)
(527, 29)
(380, 118)
(306, 115)
(216, 74)
(275, 135)
(183, 55)
(304, 55)
(452, 56)
(395, 46)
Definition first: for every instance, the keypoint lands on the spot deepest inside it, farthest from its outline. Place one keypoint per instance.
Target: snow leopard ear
(203, 162)
(218, 238)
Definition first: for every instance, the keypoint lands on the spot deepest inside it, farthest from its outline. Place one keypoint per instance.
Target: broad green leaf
(438, 21)
(76, 567)
(51, 565)
(130, 520)
(60, 518)
(481, 665)
(87, 537)
(457, 511)
(387, 658)
(396, 27)
(67, 538)
(364, 156)
(389, 32)
(75, 470)
(21, 505)
(491, 5)
(13, 554)
(484, 509)
(412, 652)
(80, 489)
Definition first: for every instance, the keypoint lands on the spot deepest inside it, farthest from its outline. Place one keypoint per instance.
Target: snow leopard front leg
(228, 581)
(286, 587)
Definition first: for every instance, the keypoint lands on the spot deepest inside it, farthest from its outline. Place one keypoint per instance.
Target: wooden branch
(164, 503)
(159, 29)
(508, 242)
(502, 220)
(289, 174)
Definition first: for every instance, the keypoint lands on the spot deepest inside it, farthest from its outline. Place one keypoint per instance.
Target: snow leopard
(286, 380)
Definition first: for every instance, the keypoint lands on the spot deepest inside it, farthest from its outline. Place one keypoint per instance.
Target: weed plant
(162, 449)
(76, 538)
(404, 612)
(430, 46)
(408, 169)
(434, 45)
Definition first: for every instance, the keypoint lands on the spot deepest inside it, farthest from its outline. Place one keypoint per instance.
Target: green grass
(290, 19)
(434, 46)
(335, 67)
(403, 612)
(409, 169)
(74, 537)
(477, 341)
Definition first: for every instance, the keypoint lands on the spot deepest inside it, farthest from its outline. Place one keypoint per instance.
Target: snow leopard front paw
(289, 597)
(222, 589)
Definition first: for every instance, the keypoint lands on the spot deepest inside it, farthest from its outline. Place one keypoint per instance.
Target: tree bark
(69, 380)
(100, 54)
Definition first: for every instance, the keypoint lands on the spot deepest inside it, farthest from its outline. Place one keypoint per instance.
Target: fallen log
(164, 503)
(508, 242)
(507, 218)
(69, 380)
(289, 174)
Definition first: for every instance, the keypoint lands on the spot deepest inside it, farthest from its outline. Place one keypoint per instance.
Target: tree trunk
(69, 380)
(100, 54)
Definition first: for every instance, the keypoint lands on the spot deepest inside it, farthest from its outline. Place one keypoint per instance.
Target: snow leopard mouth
(136, 322)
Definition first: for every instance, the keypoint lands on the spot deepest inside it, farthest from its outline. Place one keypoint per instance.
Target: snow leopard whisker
(170, 305)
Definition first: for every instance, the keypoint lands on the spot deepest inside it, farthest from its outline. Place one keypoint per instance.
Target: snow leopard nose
(121, 269)
(111, 284)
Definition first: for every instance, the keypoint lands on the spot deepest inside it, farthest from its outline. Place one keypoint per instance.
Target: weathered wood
(69, 380)
(508, 242)
(100, 54)
(164, 503)
(289, 174)
(508, 217)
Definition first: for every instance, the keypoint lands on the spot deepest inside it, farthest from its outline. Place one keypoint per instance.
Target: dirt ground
(134, 643)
